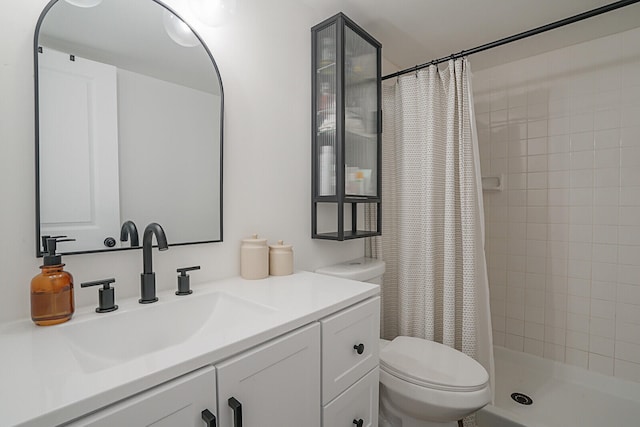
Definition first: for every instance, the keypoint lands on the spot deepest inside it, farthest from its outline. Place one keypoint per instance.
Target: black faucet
(129, 229)
(148, 277)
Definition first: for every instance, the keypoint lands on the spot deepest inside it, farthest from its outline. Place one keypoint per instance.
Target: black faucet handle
(105, 282)
(183, 270)
(106, 295)
(183, 280)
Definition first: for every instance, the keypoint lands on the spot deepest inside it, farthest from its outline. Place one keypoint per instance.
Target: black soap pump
(52, 289)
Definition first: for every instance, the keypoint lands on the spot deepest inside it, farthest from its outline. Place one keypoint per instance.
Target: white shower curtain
(435, 285)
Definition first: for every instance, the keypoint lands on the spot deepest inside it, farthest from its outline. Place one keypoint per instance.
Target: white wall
(563, 238)
(264, 59)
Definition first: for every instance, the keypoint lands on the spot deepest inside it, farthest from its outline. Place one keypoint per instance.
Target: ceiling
(417, 31)
(411, 31)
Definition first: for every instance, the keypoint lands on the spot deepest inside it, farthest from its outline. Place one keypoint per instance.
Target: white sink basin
(108, 339)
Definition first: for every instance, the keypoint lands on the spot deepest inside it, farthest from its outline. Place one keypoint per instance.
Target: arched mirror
(129, 113)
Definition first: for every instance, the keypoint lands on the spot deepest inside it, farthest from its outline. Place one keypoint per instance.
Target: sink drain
(522, 399)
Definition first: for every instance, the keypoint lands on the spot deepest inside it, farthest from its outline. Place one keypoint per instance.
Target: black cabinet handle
(208, 418)
(360, 349)
(359, 423)
(237, 411)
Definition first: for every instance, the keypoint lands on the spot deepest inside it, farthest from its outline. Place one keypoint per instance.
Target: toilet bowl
(427, 384)
(422, 383)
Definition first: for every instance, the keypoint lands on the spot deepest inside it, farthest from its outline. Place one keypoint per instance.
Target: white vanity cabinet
(350, 357)
(277, 384)
(179, 402)
(307, 355)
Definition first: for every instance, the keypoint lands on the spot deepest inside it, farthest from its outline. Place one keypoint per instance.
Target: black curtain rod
(520, 36)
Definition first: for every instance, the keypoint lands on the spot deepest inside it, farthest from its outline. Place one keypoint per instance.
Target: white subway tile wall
(563, 237)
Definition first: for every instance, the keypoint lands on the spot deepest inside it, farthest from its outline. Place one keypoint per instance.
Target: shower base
(561, 395)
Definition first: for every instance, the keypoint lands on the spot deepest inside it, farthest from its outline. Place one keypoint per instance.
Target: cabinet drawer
(359, 402)
(179, 402)
(342, 365)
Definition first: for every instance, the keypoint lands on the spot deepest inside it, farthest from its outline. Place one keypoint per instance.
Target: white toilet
(422, 383)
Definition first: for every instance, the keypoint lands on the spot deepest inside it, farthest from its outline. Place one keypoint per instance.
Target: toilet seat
(432, 365)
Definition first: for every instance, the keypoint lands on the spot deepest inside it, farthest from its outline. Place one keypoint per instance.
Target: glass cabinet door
(326, 77)
(360, 115)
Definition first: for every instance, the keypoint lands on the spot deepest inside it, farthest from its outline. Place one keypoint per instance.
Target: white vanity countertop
(43, 382)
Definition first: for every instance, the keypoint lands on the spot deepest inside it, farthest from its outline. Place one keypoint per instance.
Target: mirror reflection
(129, 125)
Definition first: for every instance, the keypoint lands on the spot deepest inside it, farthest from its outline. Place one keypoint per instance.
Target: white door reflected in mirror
(78, 150)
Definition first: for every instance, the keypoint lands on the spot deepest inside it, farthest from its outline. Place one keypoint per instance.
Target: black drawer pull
(208, 418)
(359, 423)
(359, 348)
(237, 411)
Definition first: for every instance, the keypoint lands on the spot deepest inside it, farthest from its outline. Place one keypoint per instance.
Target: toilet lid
(431, 364)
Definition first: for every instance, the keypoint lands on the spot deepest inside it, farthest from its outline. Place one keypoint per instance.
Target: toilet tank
(361, 269)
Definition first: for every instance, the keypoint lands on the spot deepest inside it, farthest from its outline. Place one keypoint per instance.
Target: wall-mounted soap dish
(492, 183)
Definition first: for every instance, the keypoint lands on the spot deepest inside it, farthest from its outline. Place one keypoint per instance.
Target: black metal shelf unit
(346, 135)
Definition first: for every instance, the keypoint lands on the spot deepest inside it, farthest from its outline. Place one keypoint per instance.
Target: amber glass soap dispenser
(52, 289)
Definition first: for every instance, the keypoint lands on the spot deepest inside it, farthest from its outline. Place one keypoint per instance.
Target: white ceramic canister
(254, 258)
(280, 259)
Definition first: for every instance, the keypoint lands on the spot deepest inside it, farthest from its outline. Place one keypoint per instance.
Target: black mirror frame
(39, 252)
